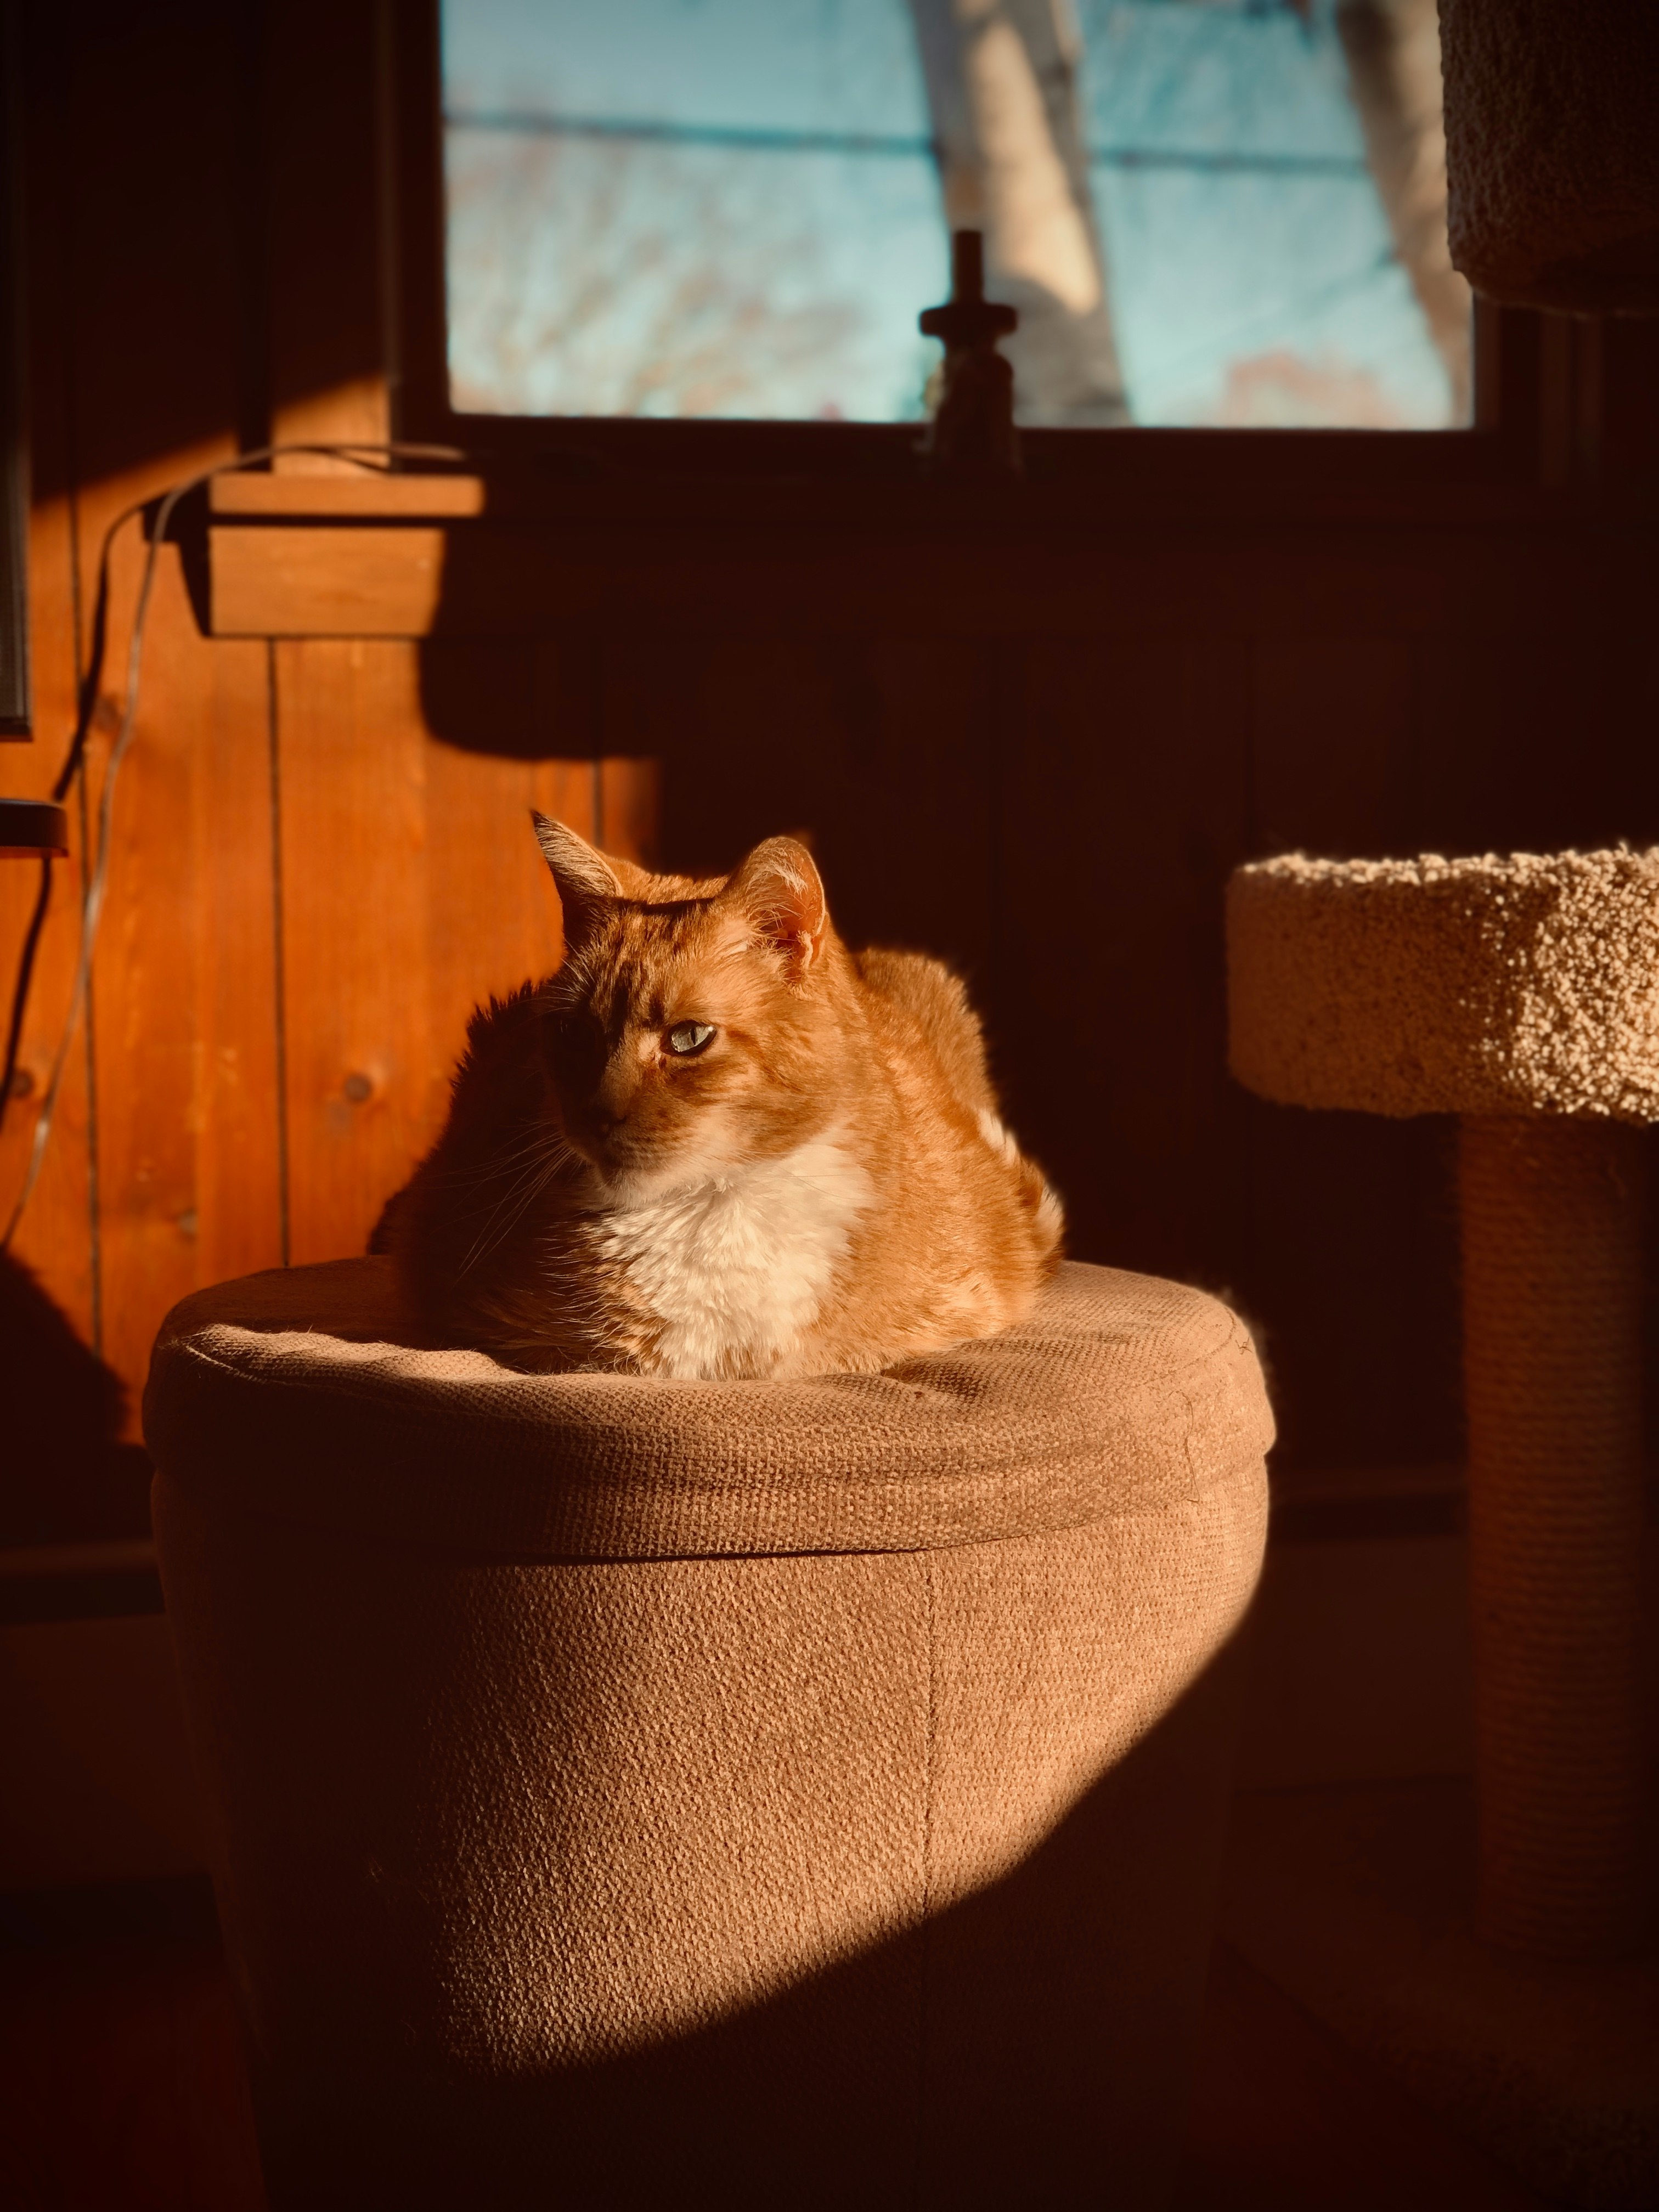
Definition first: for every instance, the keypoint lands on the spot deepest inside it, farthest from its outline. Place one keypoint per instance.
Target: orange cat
(716, 1143)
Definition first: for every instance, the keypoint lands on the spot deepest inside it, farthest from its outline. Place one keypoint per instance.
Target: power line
(745, 138)
(1228, 164)
(738, 137)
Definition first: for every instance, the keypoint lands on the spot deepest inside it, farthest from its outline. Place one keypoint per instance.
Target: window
(1220, 212)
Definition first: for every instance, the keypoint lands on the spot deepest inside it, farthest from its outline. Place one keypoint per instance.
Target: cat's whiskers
(527, 1187)
(495, 1164)
(486, 1242)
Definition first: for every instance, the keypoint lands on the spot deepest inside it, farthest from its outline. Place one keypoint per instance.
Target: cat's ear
(779, 892)
(584, 877)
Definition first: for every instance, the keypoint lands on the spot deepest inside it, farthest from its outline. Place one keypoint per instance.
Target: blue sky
(590, 274)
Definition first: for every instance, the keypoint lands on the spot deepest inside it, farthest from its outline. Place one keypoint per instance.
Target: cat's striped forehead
(640, 955)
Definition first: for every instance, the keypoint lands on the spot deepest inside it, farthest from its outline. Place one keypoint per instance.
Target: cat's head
(693, 1027)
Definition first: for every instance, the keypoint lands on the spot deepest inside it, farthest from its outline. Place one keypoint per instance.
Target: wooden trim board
(323, 577)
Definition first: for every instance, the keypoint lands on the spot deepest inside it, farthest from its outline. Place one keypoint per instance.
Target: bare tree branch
(619, 279)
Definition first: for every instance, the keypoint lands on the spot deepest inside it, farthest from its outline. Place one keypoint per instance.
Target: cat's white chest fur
(736, 1267)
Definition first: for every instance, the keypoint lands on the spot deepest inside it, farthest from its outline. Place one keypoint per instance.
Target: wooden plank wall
(322, 860)
(132, 388)
(307, 894)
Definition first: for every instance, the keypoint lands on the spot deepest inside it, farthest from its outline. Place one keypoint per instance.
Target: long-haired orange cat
(718, 1144)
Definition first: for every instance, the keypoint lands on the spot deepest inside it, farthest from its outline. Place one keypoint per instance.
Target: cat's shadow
(65, 1476)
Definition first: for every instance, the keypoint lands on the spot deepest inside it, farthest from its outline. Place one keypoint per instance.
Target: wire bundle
(368, 455)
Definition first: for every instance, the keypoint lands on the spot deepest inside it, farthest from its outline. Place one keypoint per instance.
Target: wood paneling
(412, 890)
(878, 748)
(56, 1237)
(318, 582)
(325, 332)
(1542, 737)
(183, 1007)
(185, 996)
(1123, 810)
(170, 1159)
(376, 493)
(411, 886)
(1330, 730)
(361, 1080)
(993, 571)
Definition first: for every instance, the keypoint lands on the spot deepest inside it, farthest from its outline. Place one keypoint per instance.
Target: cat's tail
(1048, 1215)
(1040, 1202)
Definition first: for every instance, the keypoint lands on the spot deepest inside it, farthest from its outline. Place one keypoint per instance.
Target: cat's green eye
(687, 1038)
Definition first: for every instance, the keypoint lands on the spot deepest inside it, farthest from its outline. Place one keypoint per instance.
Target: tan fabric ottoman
(642, 1792)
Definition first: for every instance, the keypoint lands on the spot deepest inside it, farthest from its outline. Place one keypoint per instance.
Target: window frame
(1500, 452)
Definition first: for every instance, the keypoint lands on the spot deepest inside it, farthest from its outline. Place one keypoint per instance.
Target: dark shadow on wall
(879, 749)
(1030, 2046)
(148, 222)
(1057, 816)
(64, 1476)
(176, 215)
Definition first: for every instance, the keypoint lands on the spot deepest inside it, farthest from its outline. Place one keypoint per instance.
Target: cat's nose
(607, 1105)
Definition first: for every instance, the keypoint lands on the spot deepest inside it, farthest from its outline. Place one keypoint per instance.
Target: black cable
(92, 903)
(19, 992)
(85, 705)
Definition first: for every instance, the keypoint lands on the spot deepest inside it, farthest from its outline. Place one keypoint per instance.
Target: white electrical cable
(92, 905)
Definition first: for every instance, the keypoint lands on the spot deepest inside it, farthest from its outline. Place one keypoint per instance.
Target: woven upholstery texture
(1523, 984)
(626, 1791)
(1005, 1436)
(1551, 158)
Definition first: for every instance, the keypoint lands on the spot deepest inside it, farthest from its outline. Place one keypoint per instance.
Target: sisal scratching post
(1552, 1386)
(1521, 994)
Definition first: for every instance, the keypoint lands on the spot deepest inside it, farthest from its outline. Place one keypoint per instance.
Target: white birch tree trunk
(1393, 51)
(1001, 77)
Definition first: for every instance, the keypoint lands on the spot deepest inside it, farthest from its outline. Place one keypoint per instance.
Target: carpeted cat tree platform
(1551, 158)
(1520, 995)
(638, 1792)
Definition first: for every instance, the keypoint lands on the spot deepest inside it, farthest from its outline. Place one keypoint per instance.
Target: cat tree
(1523, 995)
(626, 1791)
